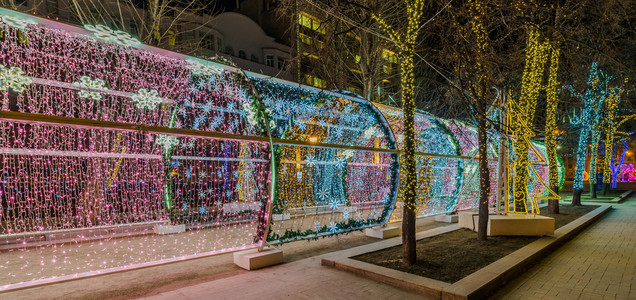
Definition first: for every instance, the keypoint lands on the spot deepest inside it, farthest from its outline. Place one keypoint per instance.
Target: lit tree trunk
(410, 192)
(595, 135)
(406, 42)
(550, 129)
(536, 57)
(612, 104)
(586, 120)
(478, 12)
(484, 174)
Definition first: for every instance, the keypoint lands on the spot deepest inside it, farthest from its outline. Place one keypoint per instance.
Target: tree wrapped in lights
(536, 57)
(406, 42)
(592, 101)
(551, 131)
(610, 126)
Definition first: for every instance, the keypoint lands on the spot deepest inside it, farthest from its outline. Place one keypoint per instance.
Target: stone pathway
(304, 279)
(600, 263)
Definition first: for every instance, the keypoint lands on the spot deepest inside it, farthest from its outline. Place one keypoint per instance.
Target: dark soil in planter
(452, 256)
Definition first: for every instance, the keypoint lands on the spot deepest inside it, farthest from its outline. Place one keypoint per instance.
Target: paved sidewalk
(303, 279)
(600, 263)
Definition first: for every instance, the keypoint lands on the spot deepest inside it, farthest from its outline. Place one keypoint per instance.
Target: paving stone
(599, 263)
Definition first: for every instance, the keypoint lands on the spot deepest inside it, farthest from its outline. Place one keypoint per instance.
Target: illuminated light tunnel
(325, 190)
(106, 143)
(440, 178)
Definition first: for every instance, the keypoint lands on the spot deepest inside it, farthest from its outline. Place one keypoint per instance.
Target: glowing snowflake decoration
(203, 210)
(188, 173)
(311, 160)
(198, 68)
(317, 226)
(112, 36)
(202, 195)
(93, 84)
(13, 78)
(251, 114)
(146, 99)
(334, 204)
(345, 215)
(341, 163)
(333, 227)
(369, 133)
(166, 141)
(16, 22)
(324, 194)
(348, 154)
(184, 206)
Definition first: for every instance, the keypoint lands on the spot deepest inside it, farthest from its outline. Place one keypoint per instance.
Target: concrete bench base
(517, 225)
(382, 232)
(253, 259)
(447, 218)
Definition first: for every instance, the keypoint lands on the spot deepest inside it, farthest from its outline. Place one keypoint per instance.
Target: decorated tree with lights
(551, 131)
(536, 57)
(611, 106)
(406, 42)
(593, 99)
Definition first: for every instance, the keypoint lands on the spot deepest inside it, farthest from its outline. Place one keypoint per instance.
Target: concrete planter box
(447, 218)
(254, 259)
(169, 229)
(382, 232)
(281, 217)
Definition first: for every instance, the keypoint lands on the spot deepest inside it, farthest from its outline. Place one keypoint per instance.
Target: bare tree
(166, 23)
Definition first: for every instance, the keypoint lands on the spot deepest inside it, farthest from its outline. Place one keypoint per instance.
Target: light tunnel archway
(106, 142)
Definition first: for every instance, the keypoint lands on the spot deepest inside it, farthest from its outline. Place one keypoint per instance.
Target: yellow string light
(550, 123)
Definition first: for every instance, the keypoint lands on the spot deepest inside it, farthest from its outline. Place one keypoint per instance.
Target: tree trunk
(410, 190)
(605, 190)
(484, 177)
(576, 197)
(553, 205)
(593, 190)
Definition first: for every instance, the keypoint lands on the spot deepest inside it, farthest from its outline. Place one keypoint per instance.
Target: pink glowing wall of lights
(466, 137)
(68, 191)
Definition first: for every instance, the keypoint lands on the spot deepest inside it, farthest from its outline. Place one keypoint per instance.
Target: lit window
(389, 56)
(311, 22)
(305, 39)
(172, 37)
(320, 44)
(319, 83)
(309, 79)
